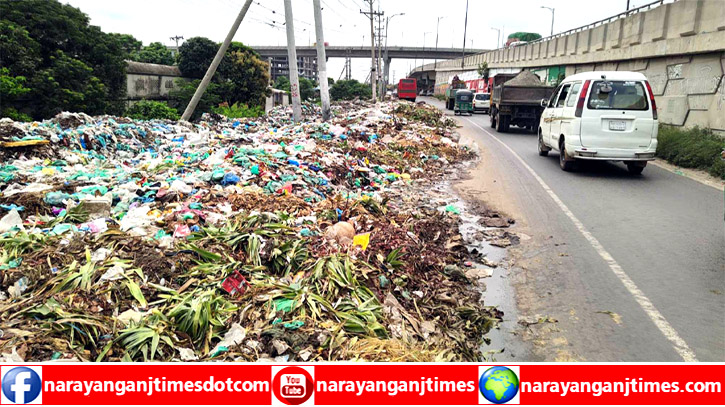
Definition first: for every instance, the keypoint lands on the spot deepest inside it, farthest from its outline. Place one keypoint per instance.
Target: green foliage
(184, 90)
(525, 36)
(348, 90)
(68, 63)
(11, 88)
(242, 77)
(307, 87)
(200, 315)
(128, 44)
(692, 148)
(155, 53)
(151, 109)
(282, 83)
(237, 110)
(195, 56)
(483, 70)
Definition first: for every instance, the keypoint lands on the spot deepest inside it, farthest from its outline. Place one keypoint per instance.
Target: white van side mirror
(544, 102)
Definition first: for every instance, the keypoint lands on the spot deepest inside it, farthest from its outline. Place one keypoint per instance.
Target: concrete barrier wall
(679, 46)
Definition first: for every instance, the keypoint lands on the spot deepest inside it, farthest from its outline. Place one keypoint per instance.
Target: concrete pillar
(386, 70)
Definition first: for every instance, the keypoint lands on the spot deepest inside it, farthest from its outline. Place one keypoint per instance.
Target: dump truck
(517, 101)
(456, 84)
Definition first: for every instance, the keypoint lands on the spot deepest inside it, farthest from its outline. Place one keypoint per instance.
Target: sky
(158, 20)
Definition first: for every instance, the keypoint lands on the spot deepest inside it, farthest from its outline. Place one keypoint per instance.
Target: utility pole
(465, 28)
(321, 61)
(373, 74)
(381, 93)
(292, 62)
(179, 37)
(437, 26)
(215, 63)
(498, 37)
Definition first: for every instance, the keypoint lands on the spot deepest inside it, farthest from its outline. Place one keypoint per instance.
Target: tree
(128, 43)
(282, 83)
(483, 70)
(242, 77)
(12, 88)
(184, 90)
(524, 36)
(195, 56)
(68, 63)
(347, 90)
(155, 53)
(307, 87)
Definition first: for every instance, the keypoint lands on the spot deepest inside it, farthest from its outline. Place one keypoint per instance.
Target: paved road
(665, 235)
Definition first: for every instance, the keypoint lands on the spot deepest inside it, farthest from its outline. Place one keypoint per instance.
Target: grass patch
(692, 148)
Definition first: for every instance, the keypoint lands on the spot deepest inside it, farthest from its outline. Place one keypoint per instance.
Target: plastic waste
(18, 288)
(234, 336)
(11, 220)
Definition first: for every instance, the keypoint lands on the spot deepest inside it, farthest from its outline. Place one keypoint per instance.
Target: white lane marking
(659, 320)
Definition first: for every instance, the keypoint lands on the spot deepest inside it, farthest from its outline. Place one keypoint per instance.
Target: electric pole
(215, 63)
(177, 38)
(321, 62)
(373, 74)
(465, 28)
(380, 53)
(292, 63)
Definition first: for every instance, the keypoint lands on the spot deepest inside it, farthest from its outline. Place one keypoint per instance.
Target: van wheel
(565, 163)
(636, 169)
(543, 150)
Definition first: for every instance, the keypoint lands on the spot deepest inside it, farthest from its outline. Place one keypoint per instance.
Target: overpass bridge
(342, 51)
(390, 52)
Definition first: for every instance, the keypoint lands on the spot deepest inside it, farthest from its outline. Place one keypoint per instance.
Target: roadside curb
(695, 175)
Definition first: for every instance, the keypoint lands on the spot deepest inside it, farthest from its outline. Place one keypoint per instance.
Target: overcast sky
(158, 20)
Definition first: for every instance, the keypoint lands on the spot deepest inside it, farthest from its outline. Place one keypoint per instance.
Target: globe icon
(499, 384)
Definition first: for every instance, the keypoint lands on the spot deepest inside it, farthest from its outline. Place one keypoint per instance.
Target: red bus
(407, 89)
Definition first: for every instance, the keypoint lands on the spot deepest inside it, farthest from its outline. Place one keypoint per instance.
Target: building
(306, 67)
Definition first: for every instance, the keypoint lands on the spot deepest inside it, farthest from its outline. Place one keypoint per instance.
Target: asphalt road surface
(632, 267)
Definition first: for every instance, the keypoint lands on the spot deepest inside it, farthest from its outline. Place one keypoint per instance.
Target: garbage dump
(238, 240)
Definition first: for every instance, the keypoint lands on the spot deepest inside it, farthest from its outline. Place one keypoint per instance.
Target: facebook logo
(21, 385)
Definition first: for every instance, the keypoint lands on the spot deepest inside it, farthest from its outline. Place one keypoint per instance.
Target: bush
(692, 148)
(150, 109)
(348, 90)
(237, 111)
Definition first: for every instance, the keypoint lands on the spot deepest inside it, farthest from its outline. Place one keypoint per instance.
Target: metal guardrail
(607, 20)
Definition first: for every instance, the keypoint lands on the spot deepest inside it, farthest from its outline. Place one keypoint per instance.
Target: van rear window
(483, 96)
(618, 95)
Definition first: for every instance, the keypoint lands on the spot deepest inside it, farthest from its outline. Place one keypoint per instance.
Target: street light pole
(552, 19)
(498, 38)
(437, 25)
(386, 75)
(424, 34)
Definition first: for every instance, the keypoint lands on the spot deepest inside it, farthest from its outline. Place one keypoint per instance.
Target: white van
(481, 102)
(601, 116)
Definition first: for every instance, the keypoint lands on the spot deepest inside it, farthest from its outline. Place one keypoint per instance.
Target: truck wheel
(565, 163)
(543, 150)
(492, 116)
(499, 123)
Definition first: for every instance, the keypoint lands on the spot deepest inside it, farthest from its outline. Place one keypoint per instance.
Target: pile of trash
(249, 239)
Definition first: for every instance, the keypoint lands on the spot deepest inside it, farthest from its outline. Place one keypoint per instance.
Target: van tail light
(582, 98)
(652, 100)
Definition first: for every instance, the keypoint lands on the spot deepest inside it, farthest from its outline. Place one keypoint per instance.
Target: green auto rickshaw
(464, 102)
